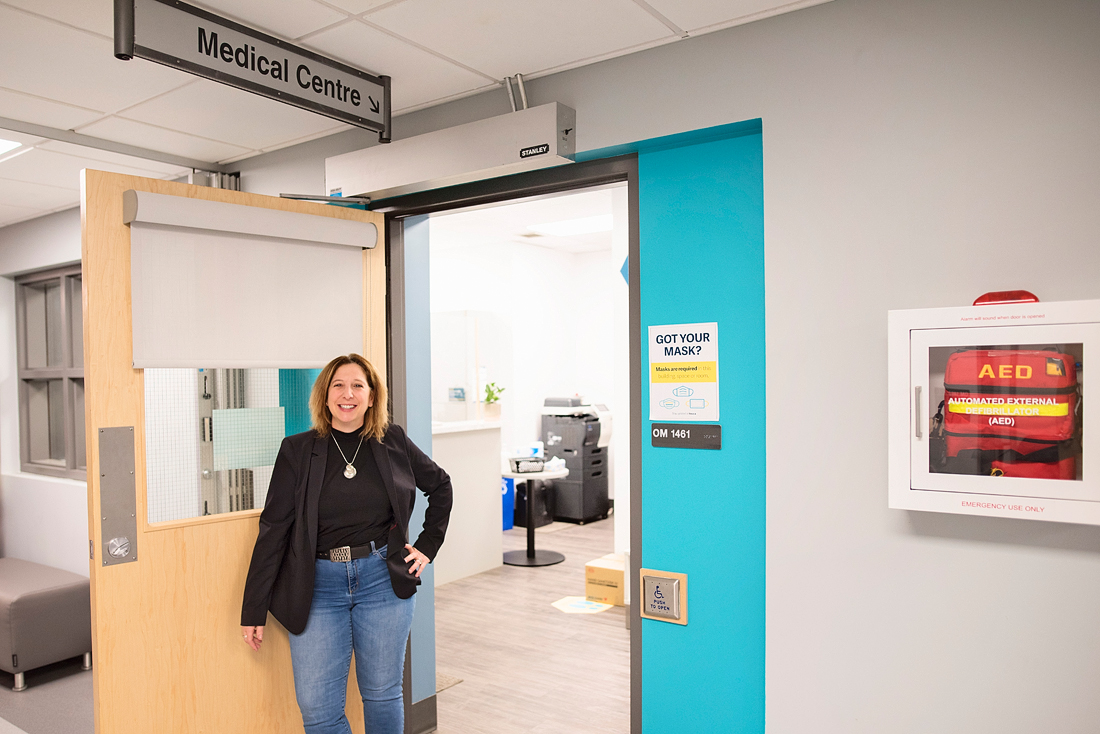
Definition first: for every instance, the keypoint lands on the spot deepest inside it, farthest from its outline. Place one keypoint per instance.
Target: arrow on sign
(373, 105)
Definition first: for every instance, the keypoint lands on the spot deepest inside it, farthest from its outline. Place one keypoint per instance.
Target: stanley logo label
(534, 150)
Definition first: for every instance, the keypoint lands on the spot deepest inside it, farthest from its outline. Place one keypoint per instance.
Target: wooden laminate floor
(524, 665)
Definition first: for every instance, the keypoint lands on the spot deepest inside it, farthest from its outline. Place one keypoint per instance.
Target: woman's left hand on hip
(419, 560)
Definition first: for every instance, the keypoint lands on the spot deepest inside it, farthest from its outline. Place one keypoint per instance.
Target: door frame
(556, 180)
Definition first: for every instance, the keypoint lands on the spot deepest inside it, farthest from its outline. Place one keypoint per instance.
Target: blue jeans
(354, 609)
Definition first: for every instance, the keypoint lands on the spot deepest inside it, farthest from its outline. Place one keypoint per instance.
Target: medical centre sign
(185, 37)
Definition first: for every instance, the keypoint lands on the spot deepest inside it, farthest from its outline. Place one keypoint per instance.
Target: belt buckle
(340, 555)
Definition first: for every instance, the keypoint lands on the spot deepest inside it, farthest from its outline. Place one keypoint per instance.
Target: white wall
(556, 309)
(42, 519)
(550, 323)
(619, 477)
(469, 350)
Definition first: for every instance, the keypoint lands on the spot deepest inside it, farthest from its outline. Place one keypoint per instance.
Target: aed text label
(1005, 372)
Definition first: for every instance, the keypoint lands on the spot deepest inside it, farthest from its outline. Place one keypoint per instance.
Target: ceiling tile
(232, 115)
(13, 214)
(36, 196)
(54, 168)
(510, 223)
(78, 68)
(693, 14)
(167, 141)
(285, 18)
(339, 128)
(93, 15)
(30, 108)
(502, 37)
(43, 167)
(418, 76)
(361, 6)
(22, 138)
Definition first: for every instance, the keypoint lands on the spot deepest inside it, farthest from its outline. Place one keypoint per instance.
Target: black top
(284, 561)
(355, 511)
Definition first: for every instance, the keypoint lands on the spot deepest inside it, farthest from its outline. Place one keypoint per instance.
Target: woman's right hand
(253, 636)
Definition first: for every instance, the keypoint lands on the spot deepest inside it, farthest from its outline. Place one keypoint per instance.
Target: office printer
(578, 432)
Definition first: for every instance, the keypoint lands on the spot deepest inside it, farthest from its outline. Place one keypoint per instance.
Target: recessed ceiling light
(570, 227)
(6, 145)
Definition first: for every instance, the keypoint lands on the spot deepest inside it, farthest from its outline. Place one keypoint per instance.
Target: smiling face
(349, 397)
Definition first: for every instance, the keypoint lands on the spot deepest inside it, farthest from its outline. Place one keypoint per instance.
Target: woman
(333, 562)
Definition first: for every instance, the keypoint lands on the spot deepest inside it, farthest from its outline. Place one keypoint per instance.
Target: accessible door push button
(664, 596)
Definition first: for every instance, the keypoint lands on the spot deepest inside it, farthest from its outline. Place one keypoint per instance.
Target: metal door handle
(916, 408)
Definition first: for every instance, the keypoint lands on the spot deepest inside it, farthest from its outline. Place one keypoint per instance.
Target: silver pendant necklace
(349, 471)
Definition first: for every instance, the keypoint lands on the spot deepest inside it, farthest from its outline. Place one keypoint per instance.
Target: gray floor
(524, 666)
(58, 700)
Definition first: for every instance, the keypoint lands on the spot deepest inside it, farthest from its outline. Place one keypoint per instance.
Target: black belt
(345, 553)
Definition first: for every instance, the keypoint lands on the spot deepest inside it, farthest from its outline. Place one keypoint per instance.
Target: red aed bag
(1064, 469)
(1019, 402)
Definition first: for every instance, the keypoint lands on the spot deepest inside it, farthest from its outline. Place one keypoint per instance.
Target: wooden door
(166, 644)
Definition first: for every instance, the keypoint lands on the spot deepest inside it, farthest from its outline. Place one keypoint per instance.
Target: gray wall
(917, 154)
(42, 519)
(40, 243)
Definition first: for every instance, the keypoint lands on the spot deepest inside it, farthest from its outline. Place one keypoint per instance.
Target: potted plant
(492, 400)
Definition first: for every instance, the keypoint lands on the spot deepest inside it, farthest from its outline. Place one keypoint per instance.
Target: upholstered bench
(45, 617)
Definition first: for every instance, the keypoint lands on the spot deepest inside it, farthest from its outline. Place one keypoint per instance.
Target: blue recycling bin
(508, 501)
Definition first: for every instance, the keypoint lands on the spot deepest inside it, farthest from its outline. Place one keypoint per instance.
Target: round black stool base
(542, 558)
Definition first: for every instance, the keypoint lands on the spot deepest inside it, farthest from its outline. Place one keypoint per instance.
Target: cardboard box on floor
(603, 579)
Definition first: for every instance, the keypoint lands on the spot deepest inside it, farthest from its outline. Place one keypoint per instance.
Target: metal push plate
(661, 596)
(117, 495)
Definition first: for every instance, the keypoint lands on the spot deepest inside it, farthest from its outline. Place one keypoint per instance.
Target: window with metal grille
(50, 332)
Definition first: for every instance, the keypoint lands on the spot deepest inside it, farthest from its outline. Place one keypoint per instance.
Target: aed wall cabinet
(988, 413)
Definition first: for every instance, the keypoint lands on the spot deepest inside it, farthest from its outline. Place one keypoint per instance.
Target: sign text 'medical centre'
(176, 34)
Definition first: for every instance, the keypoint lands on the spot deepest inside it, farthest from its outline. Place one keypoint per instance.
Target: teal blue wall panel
(418, 379)
(701, 217)
(294, 389)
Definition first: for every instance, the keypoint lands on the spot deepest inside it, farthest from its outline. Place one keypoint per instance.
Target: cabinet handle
(916, 408)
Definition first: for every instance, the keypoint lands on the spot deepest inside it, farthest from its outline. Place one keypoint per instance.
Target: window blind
(218, 285)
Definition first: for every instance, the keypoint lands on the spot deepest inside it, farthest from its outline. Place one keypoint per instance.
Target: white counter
(442, 427)
(470, 452)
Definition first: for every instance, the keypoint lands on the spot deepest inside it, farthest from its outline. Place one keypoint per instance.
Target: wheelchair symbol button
(661, 597)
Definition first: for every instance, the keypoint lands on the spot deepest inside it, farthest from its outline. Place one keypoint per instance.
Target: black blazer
(280, 577)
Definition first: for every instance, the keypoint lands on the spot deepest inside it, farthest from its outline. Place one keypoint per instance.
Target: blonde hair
(377, 418)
